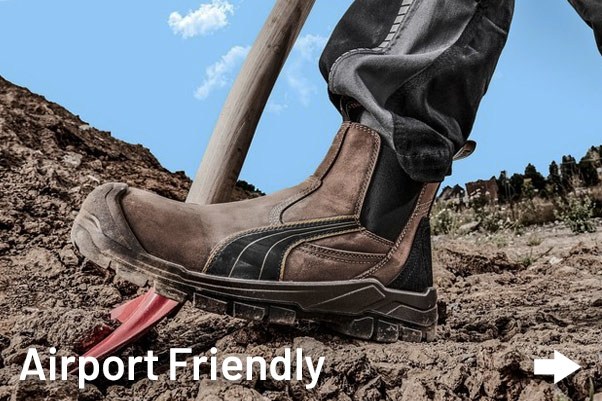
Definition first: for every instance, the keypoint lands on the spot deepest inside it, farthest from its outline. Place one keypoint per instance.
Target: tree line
(562, 178)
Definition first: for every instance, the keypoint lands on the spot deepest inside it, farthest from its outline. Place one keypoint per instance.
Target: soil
(505, 299)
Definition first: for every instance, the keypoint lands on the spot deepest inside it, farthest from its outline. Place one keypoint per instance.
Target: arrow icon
(559, 367)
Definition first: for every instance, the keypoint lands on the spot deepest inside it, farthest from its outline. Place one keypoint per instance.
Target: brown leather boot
(350, 246)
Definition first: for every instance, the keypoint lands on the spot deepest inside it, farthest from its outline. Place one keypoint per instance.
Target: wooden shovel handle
(240, 115)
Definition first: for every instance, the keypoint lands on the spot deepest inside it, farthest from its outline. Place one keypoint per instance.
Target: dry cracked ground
(505, 299)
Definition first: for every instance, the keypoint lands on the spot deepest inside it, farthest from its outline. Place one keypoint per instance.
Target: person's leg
(419, 68)
(350, 246)
(591, 12)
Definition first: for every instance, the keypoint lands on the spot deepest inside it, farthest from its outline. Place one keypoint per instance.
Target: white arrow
(559, 367)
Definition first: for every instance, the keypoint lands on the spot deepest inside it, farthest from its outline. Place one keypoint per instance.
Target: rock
(6, 393)
(392, 373)
(328, 389)
(73, 159)
(413, 390)
(492, 383)
(538, 391)
(167, 396)
(96, 165)
(468, 227)
(73, 329)
(105, 296)
(68, 256)
(565, 271)
(117, 393)
(90, 393)
(44, 262)
(371, 391)
(455, 379)
(38, 390)
(474, 384)
(220, 390)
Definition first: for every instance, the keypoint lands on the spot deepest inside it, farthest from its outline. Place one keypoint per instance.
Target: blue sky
(157, 73)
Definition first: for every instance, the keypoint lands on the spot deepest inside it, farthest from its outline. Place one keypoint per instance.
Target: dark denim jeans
(419, 69)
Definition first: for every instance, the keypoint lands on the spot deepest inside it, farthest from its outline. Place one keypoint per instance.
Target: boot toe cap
(167, 229)
(100, 226)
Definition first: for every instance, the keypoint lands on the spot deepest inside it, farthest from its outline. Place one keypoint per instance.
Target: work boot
(350, 246)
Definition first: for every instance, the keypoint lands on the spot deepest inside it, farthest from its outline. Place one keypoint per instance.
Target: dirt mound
(496, 313)
(466, 264)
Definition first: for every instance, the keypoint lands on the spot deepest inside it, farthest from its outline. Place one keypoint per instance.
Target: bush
(245, 186)
(577, 214)
(444, 221)
(492, 220)
(536, 212)
(489, 216)
(596, 196)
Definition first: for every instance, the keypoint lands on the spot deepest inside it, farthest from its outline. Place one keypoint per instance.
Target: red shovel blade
(123, 312)
(137, 317)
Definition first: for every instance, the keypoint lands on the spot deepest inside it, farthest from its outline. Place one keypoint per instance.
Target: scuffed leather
(189, 234)
(344, 181)
(359, 241)
(310, 262)
(185, 233)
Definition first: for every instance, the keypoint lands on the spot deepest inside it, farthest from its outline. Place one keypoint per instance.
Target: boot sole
(364, 309)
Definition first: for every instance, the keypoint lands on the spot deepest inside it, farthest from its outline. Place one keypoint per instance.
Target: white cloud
(276, 108)
(310, 46)
(218, 75)
(304, 56)
(208, 18)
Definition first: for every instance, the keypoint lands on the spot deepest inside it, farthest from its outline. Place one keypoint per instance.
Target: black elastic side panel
(391, 197)
(258, 256)
(417, 273)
